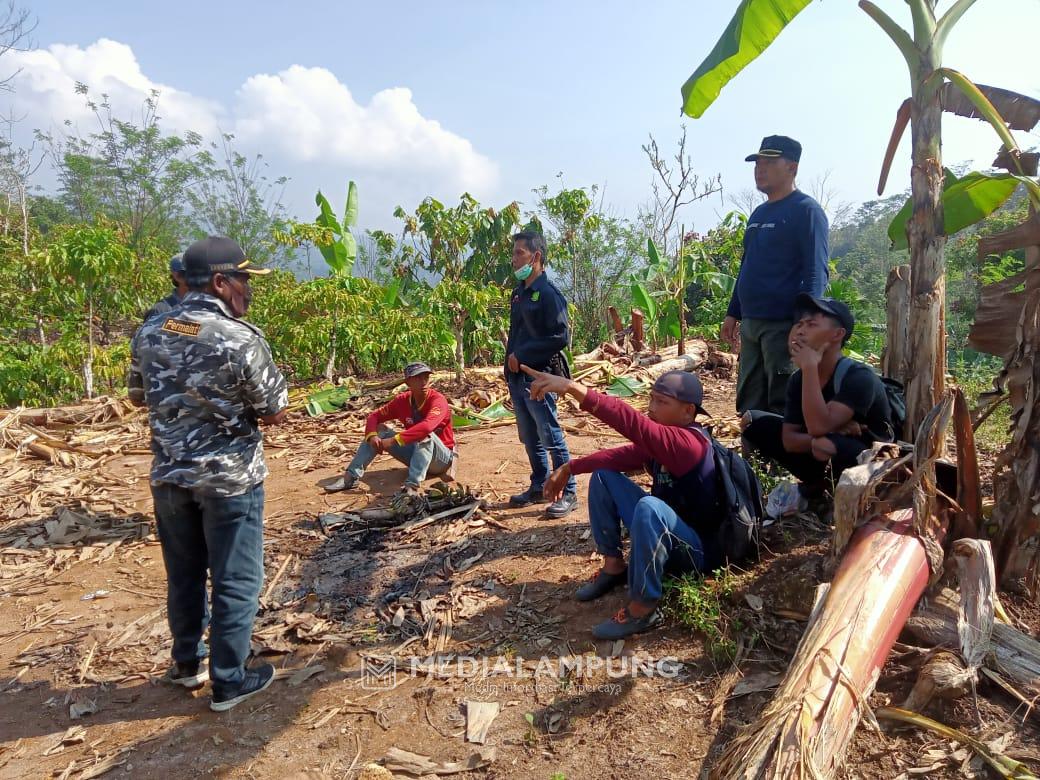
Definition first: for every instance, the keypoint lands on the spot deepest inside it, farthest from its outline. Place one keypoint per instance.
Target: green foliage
(697, 602)
(337, 243)
(300, 319)
(754, 26)
(237, 200)
(965, 200)
(133, 174)
(591, 254)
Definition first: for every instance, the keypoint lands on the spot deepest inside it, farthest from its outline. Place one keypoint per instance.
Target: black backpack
(740, 504)
(893, 390)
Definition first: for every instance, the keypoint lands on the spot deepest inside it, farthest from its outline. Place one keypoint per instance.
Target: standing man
(538, 334)
(785, 253)
(426, 445)
(207, 379)
(180, 289)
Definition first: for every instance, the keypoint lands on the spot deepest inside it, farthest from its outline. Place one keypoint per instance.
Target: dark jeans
(765, 434)
(540, 431)
(224, 536)
(660, 540)
(765, 365)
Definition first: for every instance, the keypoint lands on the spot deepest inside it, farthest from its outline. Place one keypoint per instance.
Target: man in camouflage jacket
(208, 379)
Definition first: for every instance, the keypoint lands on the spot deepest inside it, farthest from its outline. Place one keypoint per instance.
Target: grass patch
(697, 602)
(995, 433)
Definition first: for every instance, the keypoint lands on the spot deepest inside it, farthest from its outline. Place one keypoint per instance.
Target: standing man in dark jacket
(785, 253)
(180, 289)
(538, 334)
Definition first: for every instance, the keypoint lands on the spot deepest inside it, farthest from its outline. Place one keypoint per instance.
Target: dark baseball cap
(832, 307)
(218, 255)
(415, 369)
(177, 264)
(682, 386)
(777, 146)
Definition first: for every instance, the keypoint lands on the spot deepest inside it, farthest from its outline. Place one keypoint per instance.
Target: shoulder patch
(181, 327)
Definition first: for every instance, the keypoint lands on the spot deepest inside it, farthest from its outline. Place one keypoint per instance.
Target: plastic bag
(784, 500)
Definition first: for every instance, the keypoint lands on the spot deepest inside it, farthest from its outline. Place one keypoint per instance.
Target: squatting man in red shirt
(671, 530)
(426, 444)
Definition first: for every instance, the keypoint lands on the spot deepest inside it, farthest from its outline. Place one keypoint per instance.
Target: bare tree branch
(16, 28)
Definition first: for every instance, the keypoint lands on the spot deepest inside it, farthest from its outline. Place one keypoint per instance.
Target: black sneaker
(600, 585)
(624, 625)
(345, 481)
(190, 675)
(255, 681)
(567, 504)
(528, 497)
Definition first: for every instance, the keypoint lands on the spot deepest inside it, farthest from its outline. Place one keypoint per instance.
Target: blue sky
(420, 98)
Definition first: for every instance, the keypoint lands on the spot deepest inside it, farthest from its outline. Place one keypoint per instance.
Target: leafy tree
(236, 199)
(463, 248)
(591, 253)
(90, 265)
(131, 173)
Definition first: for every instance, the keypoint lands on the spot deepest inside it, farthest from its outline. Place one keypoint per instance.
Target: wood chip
(479, 717)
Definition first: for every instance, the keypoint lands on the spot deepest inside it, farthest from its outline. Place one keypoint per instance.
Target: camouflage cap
(177, 264)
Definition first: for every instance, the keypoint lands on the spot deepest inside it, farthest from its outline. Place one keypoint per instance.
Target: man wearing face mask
(538, 333)
(208, 379)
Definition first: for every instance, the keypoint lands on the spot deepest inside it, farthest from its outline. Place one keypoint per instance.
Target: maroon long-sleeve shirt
(678, 449)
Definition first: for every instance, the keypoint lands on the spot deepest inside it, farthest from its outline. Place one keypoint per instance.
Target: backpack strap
(840, 370)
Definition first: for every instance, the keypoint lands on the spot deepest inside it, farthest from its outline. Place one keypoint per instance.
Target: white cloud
(304, 120)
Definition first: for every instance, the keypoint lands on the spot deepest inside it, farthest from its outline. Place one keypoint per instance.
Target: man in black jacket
(538, 334)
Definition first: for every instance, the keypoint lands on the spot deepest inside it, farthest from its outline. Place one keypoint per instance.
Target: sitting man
(673, 529)
(824, 428)
(426, 445)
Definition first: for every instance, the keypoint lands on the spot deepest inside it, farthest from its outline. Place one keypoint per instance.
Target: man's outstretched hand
(550, 383)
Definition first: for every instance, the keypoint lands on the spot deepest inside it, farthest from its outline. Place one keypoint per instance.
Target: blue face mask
(522, 274)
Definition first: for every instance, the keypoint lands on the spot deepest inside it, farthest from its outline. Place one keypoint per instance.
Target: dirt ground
(498, 585)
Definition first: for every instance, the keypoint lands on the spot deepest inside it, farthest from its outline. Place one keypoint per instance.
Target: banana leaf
(966, 201)
(754, 26)
(626, 387)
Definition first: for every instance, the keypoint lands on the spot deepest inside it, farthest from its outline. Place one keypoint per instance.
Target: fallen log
(688, 362)
(806, 728)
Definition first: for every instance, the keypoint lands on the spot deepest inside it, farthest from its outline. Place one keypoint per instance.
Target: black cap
(682, 386)
(217, 255)
(415, 369)
(777, 146)
(832, 307)
(177, 264)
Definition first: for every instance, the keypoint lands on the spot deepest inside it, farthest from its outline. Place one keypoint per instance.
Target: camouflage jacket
(206, 378)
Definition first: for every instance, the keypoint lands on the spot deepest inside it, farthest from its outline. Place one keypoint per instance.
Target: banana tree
(335, 240)
(754, 27)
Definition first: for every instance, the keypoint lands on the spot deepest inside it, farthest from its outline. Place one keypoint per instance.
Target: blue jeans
(660, 540)
(224, 536)
(540, 431)
(427, 456)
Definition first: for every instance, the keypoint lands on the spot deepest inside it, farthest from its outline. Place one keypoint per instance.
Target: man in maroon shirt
(426, 445)
(674, 528)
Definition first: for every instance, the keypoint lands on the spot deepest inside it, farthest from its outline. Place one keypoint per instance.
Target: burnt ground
(87, 632)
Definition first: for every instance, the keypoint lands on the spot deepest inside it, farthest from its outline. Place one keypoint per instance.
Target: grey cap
(683, 386)
(415, 369)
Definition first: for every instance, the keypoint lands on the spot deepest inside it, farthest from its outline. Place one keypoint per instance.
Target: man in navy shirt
(836, 407)
(785, 253)
(538, 333)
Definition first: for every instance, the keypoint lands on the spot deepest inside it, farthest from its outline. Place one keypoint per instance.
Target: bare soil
(498, 585)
